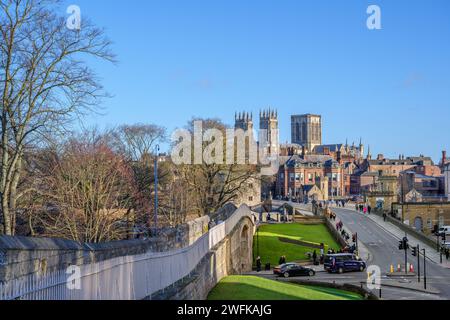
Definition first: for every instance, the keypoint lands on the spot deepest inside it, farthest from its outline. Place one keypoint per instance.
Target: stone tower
(306, 130)
(268, 125)
(361, 149)
(324, 184)
(243, 121)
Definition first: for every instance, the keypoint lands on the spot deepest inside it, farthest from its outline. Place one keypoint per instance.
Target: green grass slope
(271, 248)
(242, 288)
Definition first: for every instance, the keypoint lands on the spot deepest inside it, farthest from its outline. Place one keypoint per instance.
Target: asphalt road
(383, 247)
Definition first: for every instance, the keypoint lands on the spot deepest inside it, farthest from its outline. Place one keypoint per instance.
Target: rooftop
(306, 115)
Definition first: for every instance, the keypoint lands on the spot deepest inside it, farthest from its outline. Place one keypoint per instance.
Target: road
(383, 247)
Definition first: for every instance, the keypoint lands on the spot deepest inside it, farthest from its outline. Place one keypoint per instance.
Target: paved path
(302, 208)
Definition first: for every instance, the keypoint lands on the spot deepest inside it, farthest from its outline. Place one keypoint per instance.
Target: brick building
(430, 187)
(396, 166)
(297, 173)
(447, 180)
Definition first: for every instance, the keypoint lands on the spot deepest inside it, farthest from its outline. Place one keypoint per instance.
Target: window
(250, 198)
(310, 177)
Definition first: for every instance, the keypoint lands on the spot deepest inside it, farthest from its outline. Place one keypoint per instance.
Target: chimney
(380, 157)
(444, 157)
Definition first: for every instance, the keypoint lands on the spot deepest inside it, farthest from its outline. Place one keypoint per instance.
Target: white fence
(124, 278)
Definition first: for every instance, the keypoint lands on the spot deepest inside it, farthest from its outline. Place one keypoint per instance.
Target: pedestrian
(314, 257)
(258, 264)
(282, 260)
(447, 254)
(365, 210)
(384, 216)
(369, 209)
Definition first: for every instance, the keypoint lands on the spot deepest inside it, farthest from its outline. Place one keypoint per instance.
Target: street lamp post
(424, 269)
(437, 243)
(156, 186)
(405, 247)
(418, 262)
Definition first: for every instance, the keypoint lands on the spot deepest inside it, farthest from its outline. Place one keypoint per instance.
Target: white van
(444, 230)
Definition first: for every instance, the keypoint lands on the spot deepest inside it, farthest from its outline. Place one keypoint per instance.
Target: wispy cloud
(413, 79)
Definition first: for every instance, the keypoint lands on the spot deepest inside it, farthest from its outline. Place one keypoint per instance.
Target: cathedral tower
(268, 125)
(306, 130)
(243, 121)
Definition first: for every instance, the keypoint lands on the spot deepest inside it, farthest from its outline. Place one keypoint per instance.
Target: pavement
(303, 209)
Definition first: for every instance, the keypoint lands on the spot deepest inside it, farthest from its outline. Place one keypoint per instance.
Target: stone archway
(418, 224)
(245, 249)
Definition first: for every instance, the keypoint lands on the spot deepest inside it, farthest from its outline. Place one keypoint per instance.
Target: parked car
(293, 270)
(344, 262)
(277, 269)
(446, 245)
(445, 230)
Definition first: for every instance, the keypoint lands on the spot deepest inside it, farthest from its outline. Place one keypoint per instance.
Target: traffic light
(403, 244)
(414, 251)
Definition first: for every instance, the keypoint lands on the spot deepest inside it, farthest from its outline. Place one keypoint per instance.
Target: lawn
(271, 248)
(242, 288)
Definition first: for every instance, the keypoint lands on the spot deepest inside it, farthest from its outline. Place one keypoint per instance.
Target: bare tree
(212, 185)
(175, 198)
(44, 83)
(137, 144)
(84, 191)
(138, 141)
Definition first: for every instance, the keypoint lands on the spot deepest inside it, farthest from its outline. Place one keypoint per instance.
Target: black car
(295, 270)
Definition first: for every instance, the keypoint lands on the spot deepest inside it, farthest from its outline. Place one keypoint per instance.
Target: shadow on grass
(262, 291)
(241, 291)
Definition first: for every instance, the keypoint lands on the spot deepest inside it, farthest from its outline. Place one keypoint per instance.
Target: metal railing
(124, 278)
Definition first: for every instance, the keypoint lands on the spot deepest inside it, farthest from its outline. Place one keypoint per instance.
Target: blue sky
(180, 59)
